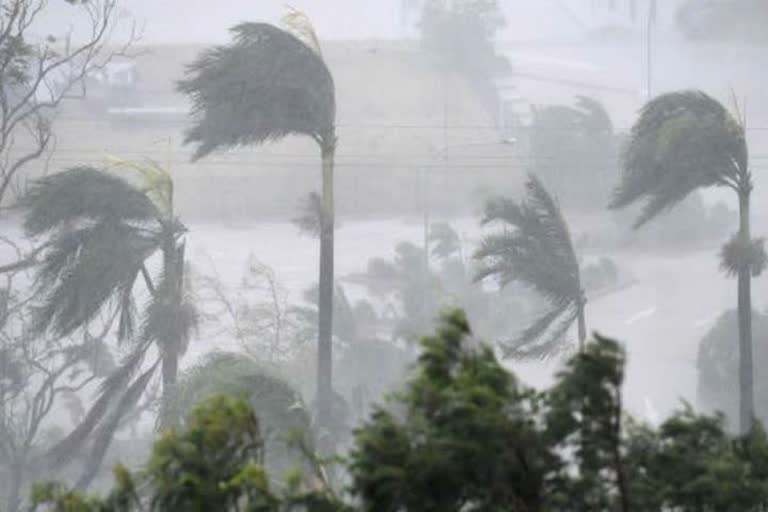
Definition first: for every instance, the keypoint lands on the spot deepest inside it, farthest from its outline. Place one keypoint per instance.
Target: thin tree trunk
(325, 298)
(621, 479)
(582, 325)
(746, 378)
(173, 268)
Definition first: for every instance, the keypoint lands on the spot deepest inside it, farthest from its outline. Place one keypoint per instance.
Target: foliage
(99, 232)
(681, 142)
(462, 434)
(692, 223)
(718, 367)
(277, 404)
(41, 71)
(533, 246)
(461, 34)
(429, 459)
(684, 141)
(257, 313)
(574, 150)
(263, 86)
(691, 464)
(462, 31)
(212, 462)
(267, 84)
(736, 254)
(583, 416)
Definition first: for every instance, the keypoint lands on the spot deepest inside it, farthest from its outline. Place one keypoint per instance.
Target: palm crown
(534, 248)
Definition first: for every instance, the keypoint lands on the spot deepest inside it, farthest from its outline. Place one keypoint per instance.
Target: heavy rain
(383, 255)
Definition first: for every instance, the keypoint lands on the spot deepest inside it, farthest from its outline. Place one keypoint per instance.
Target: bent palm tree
(267, 84)
(681, 142)
(534, 248)
(100, 232)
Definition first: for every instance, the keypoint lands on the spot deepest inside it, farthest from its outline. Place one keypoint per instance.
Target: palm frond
(86, 268)
(263, 86)
(82, 193)
(550, 330)
(103, 437)
(682, 141)
(533, 247)
(111, 388)
(156, 181)
(298, 23)
(736, 255)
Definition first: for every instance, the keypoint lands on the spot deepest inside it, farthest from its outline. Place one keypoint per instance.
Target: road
(675, 297)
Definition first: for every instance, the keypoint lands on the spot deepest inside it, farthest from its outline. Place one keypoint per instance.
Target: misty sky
(169, 21)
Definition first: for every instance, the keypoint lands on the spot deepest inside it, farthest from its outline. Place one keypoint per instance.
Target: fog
(434, 118)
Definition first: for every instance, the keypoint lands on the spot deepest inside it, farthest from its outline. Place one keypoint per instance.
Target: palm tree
(100, 232)
(684, 141)
(534, 247)
(268, 84)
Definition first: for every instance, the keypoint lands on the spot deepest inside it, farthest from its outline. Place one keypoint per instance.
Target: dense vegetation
(344, 399)
(463, 434)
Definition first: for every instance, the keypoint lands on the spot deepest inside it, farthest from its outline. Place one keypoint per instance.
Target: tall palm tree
(267, 84)
(684, 141)
(100, 231)
(534, 247)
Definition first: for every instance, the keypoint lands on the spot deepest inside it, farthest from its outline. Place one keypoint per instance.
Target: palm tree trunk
(746, 384)
(173, 268)
(325, 296)
(582, 323)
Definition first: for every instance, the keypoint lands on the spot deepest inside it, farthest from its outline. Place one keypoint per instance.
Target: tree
(717, 365)
(267, 84)
(573, 151)
(583, 416)
(534, 247)
(282, 415)
(684, 141)
(461, 435)
(100, 231)
(39, 72)
(461, 33)
(214, 461)
(40, 378)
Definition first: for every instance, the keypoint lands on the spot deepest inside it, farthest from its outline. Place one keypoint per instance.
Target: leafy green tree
(212, 462)
(691, 464)
(267, 84)
(280, 409)
(533, 246)
(99, 231)
(584, 417)
(684, 141)
(461, 435)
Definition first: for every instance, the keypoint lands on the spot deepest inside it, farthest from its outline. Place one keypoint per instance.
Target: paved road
(660, 319)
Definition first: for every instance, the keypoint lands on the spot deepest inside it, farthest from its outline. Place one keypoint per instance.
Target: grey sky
(170, 21)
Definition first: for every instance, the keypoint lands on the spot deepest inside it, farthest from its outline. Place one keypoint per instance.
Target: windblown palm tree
(100, 232)
(684, 141)
(534, 247)
(267, 84)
